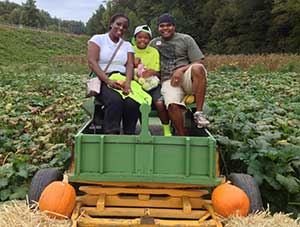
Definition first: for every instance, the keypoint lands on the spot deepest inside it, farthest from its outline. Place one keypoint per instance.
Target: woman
(100, 49)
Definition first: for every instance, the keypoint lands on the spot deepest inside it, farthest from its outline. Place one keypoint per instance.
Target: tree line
(27, 14)
(219, 26)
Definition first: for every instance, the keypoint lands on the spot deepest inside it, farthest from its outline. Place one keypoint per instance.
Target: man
(181, 72)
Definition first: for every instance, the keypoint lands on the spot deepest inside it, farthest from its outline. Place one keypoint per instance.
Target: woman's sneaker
(200, 120)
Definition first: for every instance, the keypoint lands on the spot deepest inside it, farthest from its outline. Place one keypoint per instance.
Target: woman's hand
(114, 84)
(177, 78)
(121, 85)
(127, 88)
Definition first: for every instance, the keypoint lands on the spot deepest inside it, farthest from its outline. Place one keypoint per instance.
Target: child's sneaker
(167, 130)
(200, 120)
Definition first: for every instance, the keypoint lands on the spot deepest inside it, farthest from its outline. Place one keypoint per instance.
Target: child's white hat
(143, 28)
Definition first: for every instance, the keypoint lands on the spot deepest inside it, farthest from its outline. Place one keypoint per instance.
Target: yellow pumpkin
(58, 199)
(230, 200)
(189, 99)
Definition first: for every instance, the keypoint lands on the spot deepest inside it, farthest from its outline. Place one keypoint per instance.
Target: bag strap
(113, 56)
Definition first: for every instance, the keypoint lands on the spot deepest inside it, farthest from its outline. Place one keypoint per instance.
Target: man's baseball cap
(143, 28)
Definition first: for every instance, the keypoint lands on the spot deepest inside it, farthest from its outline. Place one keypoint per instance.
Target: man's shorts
(176, 94)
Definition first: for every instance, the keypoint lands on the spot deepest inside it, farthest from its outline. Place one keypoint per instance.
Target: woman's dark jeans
(117, 109)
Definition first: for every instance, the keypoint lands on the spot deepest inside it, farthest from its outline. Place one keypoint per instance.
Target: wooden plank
(75, 213)
(96, 190)
(132, 201)
(205, 217)
(101, 202)
(97, 222)
(138, 212)
(145, 225)
(187, 223)
(186, 204)
(210, 209)
(141, 184)
(144, 197)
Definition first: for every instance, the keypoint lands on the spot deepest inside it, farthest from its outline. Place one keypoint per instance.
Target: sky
(79, 10)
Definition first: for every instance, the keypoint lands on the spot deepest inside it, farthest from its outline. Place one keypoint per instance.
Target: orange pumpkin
(230, 200)
(58, 199)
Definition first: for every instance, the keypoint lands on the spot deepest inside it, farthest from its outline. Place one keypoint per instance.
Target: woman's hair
(115, 17)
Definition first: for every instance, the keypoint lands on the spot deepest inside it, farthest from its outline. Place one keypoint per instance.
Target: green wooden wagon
(144, 179)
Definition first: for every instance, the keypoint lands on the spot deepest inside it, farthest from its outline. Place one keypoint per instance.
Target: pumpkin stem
(66, 178)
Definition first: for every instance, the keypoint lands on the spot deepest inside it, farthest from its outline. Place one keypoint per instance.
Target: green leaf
(4, 194)
(255, 169)
(3, 182)
(290, 183)
(7, 170)
(272, 182)
(19, 193)
(239, 156)
(296, 166)
(22, 172)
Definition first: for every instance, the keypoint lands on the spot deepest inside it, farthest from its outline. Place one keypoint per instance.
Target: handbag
(93, 84)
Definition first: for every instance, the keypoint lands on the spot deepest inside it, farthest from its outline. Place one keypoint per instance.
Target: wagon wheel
(250, 187)
(40, 181)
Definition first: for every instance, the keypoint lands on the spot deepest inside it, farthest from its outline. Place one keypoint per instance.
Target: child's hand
(137, 61)
(148, 72)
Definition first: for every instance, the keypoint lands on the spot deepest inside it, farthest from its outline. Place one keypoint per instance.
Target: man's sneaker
(200, 120)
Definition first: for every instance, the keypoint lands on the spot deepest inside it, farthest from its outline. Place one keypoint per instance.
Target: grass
(35, 50)
(259, 63)
(24, 46)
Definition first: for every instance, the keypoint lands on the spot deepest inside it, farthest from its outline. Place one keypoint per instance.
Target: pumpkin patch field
(254, 117)
(40, 113)
(256, 120)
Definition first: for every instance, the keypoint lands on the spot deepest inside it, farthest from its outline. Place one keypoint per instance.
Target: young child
(148, 65)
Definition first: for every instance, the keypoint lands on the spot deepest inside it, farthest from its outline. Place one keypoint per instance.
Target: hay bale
(16, 213)
(263, 218)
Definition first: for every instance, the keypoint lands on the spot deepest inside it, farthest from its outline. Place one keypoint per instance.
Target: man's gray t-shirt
(179, 51)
